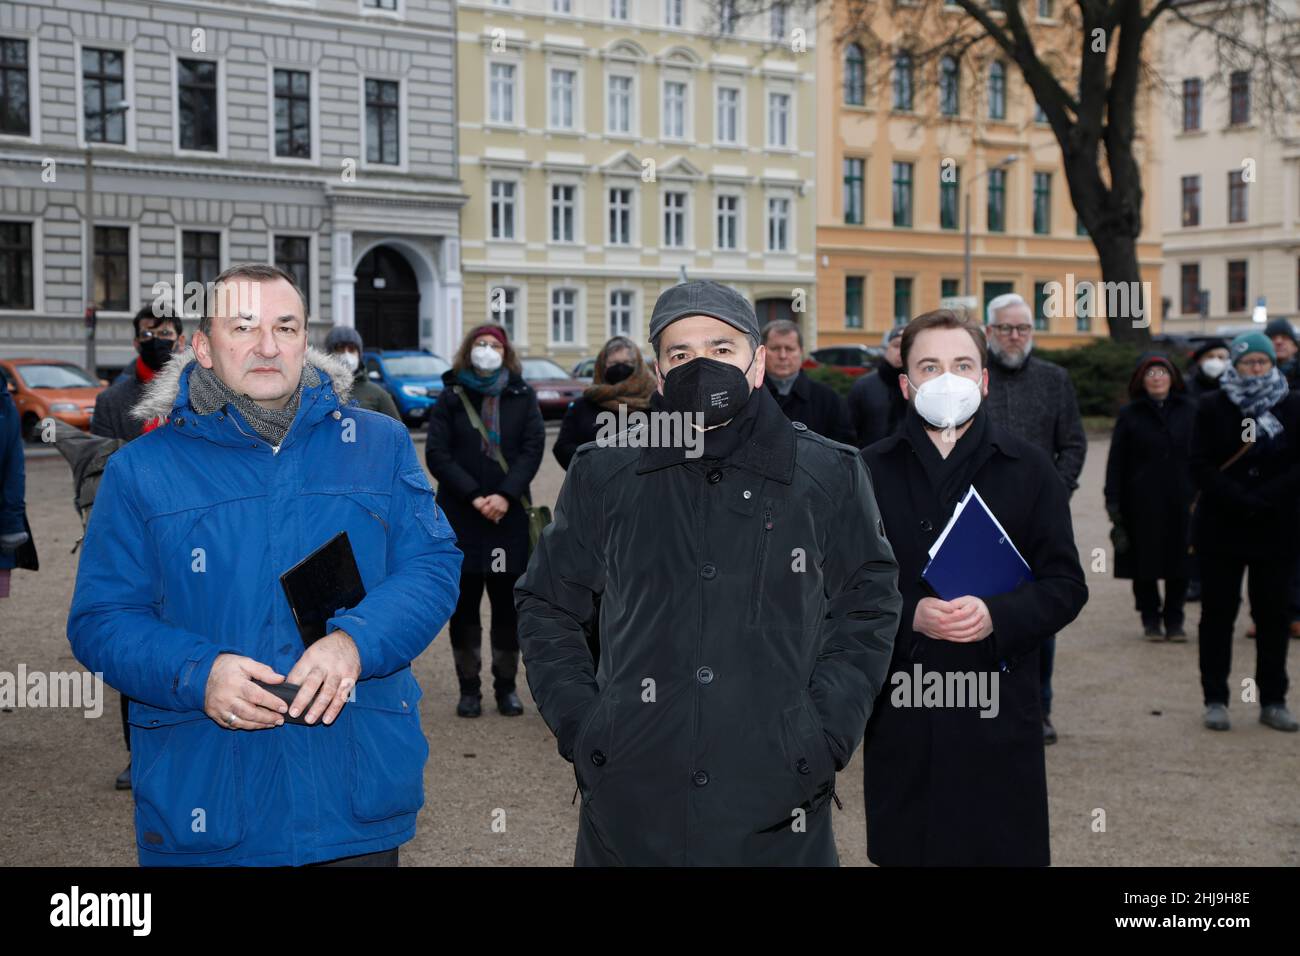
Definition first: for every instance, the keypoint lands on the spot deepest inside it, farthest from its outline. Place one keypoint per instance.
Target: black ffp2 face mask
(717, 390)
(155, 352)
(618, 372)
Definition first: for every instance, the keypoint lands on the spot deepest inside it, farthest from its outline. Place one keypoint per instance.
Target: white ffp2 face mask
(350, 359)
(1214, 367)
(947, 400)
(485, 358)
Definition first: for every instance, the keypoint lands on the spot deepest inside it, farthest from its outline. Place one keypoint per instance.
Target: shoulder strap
(1236, 457)
(479, 427)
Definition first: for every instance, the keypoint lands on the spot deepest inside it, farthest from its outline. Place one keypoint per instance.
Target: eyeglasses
(1263, 362)
(1157, 371)
(1010, 330)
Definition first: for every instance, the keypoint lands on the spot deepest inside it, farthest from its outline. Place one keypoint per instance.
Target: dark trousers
(382, 858)
(1046, 660)
(467, 630)
(126, 724)
(1267, 587)
(1146, 594)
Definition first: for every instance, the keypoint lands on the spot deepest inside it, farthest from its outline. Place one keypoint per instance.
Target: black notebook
(322, 585)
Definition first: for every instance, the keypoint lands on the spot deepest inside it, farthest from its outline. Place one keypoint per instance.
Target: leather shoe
(123, 781)
(508, 704)
(471, 705)
(1049, 732)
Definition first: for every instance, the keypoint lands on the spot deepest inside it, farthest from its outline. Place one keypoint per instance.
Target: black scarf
(949, 477)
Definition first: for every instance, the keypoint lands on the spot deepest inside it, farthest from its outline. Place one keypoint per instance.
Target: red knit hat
(495, 331)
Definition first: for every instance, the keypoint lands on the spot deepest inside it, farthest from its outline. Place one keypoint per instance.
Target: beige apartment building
(908, 150)
(610, 148)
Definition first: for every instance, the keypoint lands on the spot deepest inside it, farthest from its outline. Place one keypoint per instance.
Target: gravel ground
(1128, 712)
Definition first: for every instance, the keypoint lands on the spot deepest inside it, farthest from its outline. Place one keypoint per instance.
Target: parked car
(585, 370)
(412, 376)
(555, 387)
(53, 388)
(852, 360)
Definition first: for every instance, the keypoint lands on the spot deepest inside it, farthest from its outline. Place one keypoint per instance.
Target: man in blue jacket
(178, 600)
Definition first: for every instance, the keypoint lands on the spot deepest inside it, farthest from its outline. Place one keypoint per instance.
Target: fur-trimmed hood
(160, 392)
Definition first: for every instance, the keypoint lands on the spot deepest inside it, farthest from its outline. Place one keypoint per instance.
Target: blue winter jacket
(192, 527)
(12, 474)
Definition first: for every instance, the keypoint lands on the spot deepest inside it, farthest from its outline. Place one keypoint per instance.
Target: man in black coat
(802, 399)
(957, 777)
(876, 404)
(1034, 400)
(748, 602)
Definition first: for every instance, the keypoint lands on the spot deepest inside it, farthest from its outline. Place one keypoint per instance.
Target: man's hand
(332, 666)
(495, 507)
(235, 702)
(961, 620)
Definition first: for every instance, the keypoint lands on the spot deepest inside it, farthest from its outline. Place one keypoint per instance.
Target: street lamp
(1002, 165)
(120, 107)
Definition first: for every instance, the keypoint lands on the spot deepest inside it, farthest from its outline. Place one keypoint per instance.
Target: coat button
(799, 426)
(337, 414)
(802, 766)
(704, 675)
(708, 572)
(926, 526)
(714, 476)
(701, 778)
(748, 494)
(598, 758)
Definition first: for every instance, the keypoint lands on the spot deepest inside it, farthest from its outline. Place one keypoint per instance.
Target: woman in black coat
(483, 502)
(620, 378)
(1149, 493)
(1246, 463)
(945, 785)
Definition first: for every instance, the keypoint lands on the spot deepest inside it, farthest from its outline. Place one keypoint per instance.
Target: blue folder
(974, 555)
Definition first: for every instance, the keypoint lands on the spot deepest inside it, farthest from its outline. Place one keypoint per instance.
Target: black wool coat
(817, 406)
(876, 405)
(454, 454)
(579, 426)
(1252, 509)
(747, 608)
(1149, 479)
(945, 786)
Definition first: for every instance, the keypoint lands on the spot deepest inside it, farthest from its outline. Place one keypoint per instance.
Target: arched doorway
(387, 308)
(771, 309)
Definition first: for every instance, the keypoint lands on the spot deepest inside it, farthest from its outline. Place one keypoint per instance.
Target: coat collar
(769, 450)
(997, 436)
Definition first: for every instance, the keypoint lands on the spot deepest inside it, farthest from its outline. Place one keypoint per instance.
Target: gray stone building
(316, 134)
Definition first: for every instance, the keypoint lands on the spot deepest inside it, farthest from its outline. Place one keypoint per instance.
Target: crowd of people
(710, 632)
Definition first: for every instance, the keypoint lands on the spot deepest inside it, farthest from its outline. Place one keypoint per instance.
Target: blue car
(412, 376)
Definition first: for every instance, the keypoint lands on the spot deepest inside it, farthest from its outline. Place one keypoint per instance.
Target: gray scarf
(784, 385)
(208, 393)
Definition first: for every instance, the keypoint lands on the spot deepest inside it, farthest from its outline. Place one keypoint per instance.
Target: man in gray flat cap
(748, 605)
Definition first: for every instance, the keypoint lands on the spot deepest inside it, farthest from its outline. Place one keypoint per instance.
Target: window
(620, 104)
(728, 222)
(618, 9)
(998, 90)
(1040, 306)
(949, 87)
(997, 204)
(503, 308)
(903, 82)
(675, 220)
(673, 13)
(855, 76)
(1237, 196)
(563, 85)
(620, 216)
(1189, 282)
(674, 109)
(293, 255)
(853, 173)
(200, 257)
(196, 95)
(853, 302)
(948, 288)
(1045, 11)
(949, 196)
(727, 17)
(560, 6)
(15, 100)
(1191, 200)
(1237, 286)
(113, 268)
(381, 4)
(1239, 98)
(780, 17)
(902, 301)
(103, 88)
(620, 312)
(564, 315)
(502, 208)
(994, 289)
(778, 119)
(293, 114)
(1042, 203)
(382, 145)
(16, 285)
(501, 93)
(1191, 104)
(902, 190)
(564, 202)
(778, 224)
(1082, 312)
(728, 114)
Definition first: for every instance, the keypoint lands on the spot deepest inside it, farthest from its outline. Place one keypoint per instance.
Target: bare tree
(1087, 73)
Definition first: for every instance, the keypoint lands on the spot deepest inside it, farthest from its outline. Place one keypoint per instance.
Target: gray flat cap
(704, 297)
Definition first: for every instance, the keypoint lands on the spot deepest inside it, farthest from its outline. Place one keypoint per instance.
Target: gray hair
(782, 327)
(255, 271)
(1003, 301)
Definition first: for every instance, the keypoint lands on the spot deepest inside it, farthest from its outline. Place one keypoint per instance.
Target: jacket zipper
(760, 564)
